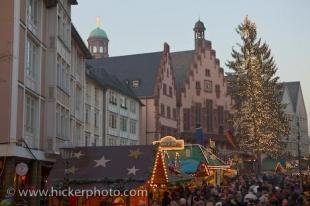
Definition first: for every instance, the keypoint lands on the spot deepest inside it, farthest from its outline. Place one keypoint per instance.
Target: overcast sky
(139, 26)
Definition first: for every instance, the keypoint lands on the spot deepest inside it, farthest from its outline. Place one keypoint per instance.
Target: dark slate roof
(293, 89)
(86, 173)
(107, 80)
(142, 67)
(76, 36)
(181, 62)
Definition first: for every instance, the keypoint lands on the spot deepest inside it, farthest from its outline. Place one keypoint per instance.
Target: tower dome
(98, 43)
(199, 26)
(98, 33)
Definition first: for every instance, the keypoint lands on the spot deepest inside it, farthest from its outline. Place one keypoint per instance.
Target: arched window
(95, 49)
(101, 49)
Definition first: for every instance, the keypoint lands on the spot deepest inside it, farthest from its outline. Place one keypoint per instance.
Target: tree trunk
(259, 162)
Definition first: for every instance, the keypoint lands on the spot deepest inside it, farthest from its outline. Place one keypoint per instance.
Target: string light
(259, 118)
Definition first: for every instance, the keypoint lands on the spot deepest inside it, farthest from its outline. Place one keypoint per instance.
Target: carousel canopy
(119, 167)
(181, 163)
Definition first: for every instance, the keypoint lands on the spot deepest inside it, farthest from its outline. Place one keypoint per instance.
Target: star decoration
(135, 153)
(132, 170)
(102, 162)
(71, 170)
(78, 154)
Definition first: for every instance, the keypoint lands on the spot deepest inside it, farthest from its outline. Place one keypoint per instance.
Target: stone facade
(43, 69)
(296, 112)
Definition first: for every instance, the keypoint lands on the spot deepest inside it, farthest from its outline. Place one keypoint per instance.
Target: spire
(98, 21)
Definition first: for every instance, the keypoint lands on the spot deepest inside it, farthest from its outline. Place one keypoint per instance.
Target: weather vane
(98, 21)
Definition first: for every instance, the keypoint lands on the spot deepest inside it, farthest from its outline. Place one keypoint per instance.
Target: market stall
(102, 169)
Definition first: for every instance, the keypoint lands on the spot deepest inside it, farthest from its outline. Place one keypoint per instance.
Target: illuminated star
(78, 154)
(135, 153)
(71, 170)
(132, 170)
(101, 162)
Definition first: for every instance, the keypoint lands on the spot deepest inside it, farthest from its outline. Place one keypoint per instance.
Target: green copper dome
(98, 33)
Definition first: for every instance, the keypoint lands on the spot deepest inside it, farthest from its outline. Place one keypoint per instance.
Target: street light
(66, 154)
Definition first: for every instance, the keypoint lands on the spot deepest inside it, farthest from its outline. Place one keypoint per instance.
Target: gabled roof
(102, 77)
(142, 67)
(293, 89)
(181, 62)
(105, 167)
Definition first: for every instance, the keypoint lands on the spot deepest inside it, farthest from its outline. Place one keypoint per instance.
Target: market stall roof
(105, 167)
(188, 160)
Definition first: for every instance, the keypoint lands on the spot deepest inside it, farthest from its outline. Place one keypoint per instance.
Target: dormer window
(136, 83)
(101, 49)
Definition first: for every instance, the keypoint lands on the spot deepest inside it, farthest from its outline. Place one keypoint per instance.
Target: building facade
(203, 101)
(180, 91)
(296, 112)
(151, 78)
(42, 84)
(112, 111)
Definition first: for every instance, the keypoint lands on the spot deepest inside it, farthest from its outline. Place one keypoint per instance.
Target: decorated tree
(259, 118)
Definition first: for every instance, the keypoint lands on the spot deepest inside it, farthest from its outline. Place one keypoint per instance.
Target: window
(186, 119)
(30, 120)
(164, 89)
(96, 96)
(170, 91)
(62, 122)
(162, 110)
(33, 11)
(87, 114)
(135, 83)
(123, 102)
(209, 106)
(60, 26)
(133, 127)
(133, 106)
(96, 118)
(101, 49)
(168, 112)
(198, 85)
(63, 74)
(112, 120)
(94, 49)
(174, 113)
(123, 124)
(207, 73)
(87, 140)
(217, 91)
(198, 113)
(220, 114)
(113, 98)
(96, 142)
(31, 60)
(208, 86)
(78, 100)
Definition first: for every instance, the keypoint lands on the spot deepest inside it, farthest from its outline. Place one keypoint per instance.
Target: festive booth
(191, 163)
(115, 168)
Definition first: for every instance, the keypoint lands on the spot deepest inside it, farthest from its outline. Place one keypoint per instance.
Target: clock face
(21, 169)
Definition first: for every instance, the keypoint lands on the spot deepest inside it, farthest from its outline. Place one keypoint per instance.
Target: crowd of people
(273, 190)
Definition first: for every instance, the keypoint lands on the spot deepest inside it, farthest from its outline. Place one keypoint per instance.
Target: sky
(140, 26)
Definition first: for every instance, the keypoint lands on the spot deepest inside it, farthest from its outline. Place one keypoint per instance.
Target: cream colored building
(112, 111)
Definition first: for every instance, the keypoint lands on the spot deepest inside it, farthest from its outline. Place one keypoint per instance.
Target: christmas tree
(259, 118)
